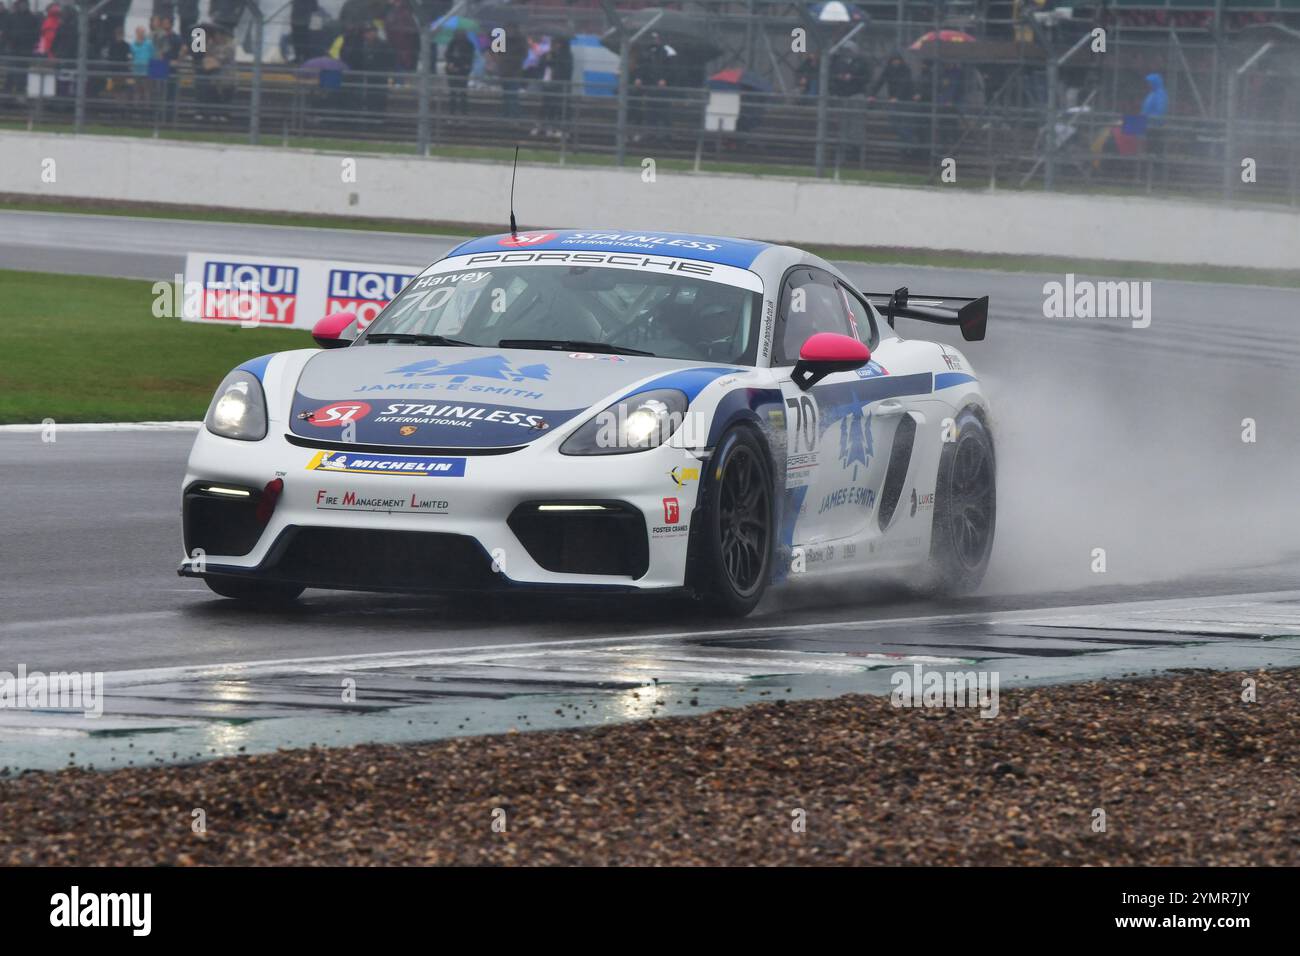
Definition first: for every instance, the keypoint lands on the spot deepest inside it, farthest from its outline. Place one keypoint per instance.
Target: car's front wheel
(965, 508)
(731, 553)
(252, 591)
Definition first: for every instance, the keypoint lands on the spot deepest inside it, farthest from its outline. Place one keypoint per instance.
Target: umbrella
(318, 63)
(738, 78)
(943, 36)
(836, 11)
(452, 24)
(685, 34)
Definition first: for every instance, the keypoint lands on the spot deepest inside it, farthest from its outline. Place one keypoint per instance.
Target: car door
(839, 431)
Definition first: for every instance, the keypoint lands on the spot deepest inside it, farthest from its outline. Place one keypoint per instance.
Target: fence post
(255, 100)
(83, 53)
(823, 81)
(823, 91)
(1049, 162)
(624, 77)
(422, 78)
(1230, 136)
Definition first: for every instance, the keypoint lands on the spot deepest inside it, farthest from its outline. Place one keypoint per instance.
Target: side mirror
(336, 330)
(825, 353)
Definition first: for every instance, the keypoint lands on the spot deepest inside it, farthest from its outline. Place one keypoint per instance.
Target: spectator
(896, 79)
(166, 51)
(4, 26)
(22, 31)
(49, 29)
(187, 12)
(118, 52)
(300, 14)
(1137, 132)
(141, 53)
(377, 57)
(807, 74)
(509, 65)
(1156, 104)
(903, 98)
(460, 60)
(849, 74)
(403, 34)
(353, 50)
(166, 44)
(1155, 107)
(214, 79)
(650, 83)
(557, 74)
(65, 37)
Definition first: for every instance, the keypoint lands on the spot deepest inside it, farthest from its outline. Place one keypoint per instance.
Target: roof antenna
(514, 230)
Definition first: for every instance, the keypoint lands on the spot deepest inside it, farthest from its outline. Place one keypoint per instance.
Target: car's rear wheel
(253, 591)
(965, 508)
(731, 555)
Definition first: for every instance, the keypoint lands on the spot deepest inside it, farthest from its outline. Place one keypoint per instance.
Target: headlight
(639, 422)
(238, 410)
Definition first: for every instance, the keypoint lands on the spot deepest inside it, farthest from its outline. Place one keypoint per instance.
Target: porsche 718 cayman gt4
(591, 410)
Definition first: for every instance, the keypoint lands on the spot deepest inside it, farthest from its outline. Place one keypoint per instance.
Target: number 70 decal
(804, 432)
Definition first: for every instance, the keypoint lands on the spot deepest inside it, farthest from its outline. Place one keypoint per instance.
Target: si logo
(337, 414)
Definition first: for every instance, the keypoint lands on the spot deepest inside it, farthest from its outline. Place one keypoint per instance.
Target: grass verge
(82, 349)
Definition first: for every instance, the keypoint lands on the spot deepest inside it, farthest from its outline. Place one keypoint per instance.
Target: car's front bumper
(527, 518)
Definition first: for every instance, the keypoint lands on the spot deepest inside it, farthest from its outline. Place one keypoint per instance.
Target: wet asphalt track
(1108, 437)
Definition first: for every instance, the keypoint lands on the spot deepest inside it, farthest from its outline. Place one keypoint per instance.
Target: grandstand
(1015, 91)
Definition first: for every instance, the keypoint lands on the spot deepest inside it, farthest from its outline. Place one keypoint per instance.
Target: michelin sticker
(362, 464)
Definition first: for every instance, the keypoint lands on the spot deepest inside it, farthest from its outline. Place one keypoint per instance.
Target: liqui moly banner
(255, 291)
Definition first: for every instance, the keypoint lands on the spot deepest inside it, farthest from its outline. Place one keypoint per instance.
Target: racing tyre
(732, 550)
(965, 508)
(253, 591)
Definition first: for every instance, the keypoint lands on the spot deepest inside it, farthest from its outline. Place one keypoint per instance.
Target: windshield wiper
(416, 338)
(570, 345)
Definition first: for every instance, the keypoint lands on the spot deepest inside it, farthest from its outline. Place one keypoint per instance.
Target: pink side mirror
(336, 330)
(826, 353)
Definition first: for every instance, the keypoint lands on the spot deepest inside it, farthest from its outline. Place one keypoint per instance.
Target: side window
(811, 302)
(863, 322)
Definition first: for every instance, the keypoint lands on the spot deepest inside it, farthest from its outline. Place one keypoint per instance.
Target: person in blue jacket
(1156, 104)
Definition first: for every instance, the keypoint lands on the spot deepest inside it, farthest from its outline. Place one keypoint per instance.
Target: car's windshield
(636, 311)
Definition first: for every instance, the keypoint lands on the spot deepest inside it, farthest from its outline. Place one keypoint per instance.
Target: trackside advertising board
(254, 291)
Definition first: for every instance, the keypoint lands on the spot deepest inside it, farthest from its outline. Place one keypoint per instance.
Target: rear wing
(970, 315)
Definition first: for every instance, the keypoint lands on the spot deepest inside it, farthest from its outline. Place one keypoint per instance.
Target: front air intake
(583, 537)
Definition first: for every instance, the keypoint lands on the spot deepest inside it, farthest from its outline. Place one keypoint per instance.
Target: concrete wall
(773, 208)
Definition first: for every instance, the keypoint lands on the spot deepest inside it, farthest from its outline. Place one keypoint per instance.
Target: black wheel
(254, 591)
(965, 508)
(731, 552)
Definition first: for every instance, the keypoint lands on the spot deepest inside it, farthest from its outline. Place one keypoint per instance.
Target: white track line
(105, 427)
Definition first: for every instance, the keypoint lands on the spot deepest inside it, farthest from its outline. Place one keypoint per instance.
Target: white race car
(596, 410)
